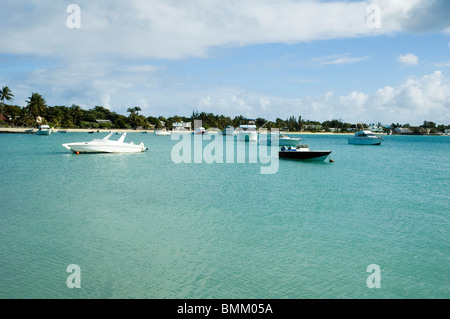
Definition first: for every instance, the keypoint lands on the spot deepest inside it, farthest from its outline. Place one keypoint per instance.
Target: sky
(366, 61)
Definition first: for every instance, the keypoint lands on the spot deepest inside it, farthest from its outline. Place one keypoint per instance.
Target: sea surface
(141, 226)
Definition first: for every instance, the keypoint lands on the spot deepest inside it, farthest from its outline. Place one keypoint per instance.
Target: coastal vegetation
(38, 112)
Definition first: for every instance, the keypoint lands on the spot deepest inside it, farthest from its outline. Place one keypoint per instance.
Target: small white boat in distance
(365, 138)
(248, 132)
(105, 145)
(44, 130)
(162, 132)
(283, 140)
(200, 131)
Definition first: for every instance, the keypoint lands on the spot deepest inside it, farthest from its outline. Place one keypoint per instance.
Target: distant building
(447, 131)
(181, 126)
(403, 130)
(376, 128)
(313, 127)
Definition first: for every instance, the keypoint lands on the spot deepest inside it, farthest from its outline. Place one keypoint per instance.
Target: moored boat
(199, 131)
(247, 131)
(365, 138)
(302, 152)
(106, 145)
(229, 130)
(162, 132)
(283, 140)
(44, 130)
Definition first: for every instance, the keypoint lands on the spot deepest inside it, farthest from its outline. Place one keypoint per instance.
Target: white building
(403, 130)
(375, 128)
(181, 126)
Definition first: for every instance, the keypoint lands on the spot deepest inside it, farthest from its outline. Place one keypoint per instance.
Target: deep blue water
(141, 226)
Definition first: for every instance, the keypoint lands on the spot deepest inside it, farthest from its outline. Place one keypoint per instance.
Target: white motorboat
(247, 131)
(162, 132)
(283, 140)
(365, 138)
(44, 130)
(105, 145)
(200, 131)
(229, 130)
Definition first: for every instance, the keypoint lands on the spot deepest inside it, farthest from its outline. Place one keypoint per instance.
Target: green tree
(291, 123)
(135, 119)
(77, 113)
(14, 112)
(260, 122)
(237, 120)
(5, 94)
(282, 125)
(428, 124)
(153, 120)
(134, 110)
(36, 104)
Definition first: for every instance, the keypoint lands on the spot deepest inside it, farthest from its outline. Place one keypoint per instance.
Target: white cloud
(338, 59)
(408, 59)
(177, 29)
(416, 99)
(296, 80)
(413, 101)
(137, 31)
(441, 64)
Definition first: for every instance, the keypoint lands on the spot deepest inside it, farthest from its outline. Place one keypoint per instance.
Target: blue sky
(257, 58)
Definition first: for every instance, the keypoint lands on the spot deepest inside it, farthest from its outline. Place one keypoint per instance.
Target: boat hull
(44, 132)
(163, 133)
(304, 155)
(86, 148)
(248, 136)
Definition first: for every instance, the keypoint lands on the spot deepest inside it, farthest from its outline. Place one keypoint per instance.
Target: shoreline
(25, 130)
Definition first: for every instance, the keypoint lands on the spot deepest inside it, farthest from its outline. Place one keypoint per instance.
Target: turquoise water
(141, 226)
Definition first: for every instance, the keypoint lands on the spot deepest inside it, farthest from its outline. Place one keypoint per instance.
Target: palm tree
(134, 110)
(36, 104)
(5, 94)
(77, 113)
(135, 119)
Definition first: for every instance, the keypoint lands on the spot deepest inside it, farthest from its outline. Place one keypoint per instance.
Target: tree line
(77, 117)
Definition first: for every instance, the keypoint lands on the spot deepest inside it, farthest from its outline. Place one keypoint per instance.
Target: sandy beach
(27, 130)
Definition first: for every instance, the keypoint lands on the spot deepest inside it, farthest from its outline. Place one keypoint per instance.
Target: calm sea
(141, 226)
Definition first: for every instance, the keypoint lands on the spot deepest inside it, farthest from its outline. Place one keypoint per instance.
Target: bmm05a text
(246, 308)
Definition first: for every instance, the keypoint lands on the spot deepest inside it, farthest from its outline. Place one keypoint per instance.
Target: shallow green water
(141, 226)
